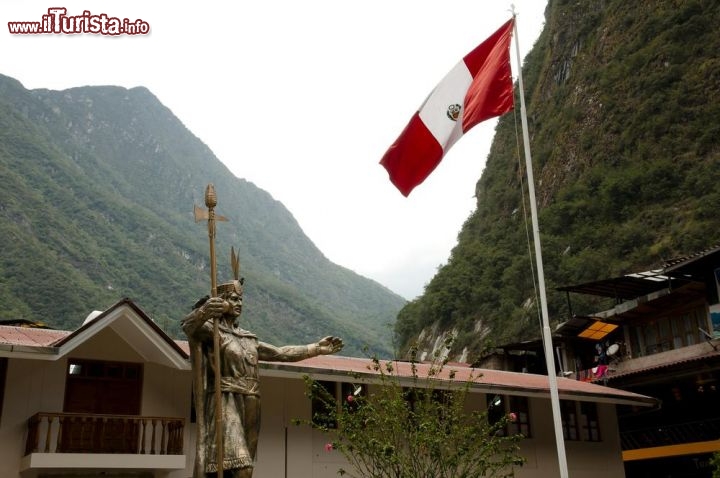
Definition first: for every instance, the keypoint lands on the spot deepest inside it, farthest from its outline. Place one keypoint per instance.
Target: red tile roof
(489, 381)
(712, 355)
(29, 336)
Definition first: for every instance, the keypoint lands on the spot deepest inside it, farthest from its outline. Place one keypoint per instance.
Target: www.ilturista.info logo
(58, 22)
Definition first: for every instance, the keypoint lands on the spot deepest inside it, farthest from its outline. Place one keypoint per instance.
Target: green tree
(415, 427)
(715, 463)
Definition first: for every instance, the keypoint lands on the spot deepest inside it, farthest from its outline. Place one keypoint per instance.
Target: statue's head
(232, 293)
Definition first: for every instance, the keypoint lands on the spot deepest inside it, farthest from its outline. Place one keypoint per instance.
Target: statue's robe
(240, 351)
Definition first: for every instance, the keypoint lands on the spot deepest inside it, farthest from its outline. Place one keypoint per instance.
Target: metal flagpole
(547, 337)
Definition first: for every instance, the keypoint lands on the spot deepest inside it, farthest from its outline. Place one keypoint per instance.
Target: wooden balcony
(110, 434)
(671, 434)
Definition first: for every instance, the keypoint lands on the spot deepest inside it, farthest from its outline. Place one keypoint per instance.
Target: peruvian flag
(478, 88)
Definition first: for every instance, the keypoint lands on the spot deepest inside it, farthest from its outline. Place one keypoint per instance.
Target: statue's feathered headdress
(237, 284)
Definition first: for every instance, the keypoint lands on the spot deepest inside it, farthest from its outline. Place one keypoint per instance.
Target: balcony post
(48, 436)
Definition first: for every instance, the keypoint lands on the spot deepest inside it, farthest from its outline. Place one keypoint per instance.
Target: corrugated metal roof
(674, 273)
(693, 264)
(628, 286)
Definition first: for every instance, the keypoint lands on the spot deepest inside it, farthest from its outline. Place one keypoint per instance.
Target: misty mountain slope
(623, 100)
(98, 186)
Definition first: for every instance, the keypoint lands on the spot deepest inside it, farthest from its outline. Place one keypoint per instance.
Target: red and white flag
(478, 88)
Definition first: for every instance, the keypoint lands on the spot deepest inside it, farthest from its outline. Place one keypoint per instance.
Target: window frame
(669, 331)
(339, 390)
(100, 377)
(580, 421)
(517, 404)
(570, 422)
(589, 422)
(520, 406)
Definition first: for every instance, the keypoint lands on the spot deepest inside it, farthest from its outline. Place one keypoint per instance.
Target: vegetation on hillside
(623, 100)
(97, 186)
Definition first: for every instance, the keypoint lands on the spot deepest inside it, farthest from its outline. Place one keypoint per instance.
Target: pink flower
(350, 398)
(513, 417)
(328, 447)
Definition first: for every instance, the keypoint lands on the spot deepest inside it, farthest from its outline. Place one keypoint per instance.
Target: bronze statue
(227, 440)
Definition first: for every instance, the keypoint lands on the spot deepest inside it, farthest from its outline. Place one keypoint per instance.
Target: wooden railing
(85, 433)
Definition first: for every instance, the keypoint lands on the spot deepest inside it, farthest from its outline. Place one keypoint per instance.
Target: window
(94, 386)
(666, 338)
(651, 339)
(689, 335)
(637, 346)
(323, 411)
(568, 412)
(589, 423)
(580, 421)
(520, 407)
(500, 406)
(668, 332)
(677, 333)
(496, 411)
(350, 389)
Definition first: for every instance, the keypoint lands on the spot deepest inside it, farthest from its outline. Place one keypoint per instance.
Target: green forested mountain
(623, 106)
(97, 186)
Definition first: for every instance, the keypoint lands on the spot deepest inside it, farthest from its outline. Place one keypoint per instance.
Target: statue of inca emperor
(216, 342)
(240, 351)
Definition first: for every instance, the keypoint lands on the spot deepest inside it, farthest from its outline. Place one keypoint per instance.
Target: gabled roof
(125, 318)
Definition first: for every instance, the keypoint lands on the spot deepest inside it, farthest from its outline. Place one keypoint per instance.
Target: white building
(113, 399)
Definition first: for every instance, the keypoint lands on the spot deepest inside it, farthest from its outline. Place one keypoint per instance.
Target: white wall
(285, 449)
(306, 457)
(585, 459)
(34, 386)
(30, 386)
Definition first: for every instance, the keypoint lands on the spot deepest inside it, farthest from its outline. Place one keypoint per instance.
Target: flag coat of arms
(478, 88)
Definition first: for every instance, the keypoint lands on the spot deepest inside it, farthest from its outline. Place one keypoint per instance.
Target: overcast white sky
(302, 98)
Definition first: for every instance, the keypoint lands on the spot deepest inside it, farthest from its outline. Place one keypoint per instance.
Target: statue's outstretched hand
(329, 345)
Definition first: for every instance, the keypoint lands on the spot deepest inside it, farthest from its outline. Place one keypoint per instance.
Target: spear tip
(210, 196)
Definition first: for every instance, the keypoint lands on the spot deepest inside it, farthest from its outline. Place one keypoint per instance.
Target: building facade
(660, 338)
(113, 399)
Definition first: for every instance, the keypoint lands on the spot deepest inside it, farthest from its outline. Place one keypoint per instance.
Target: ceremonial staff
(200, 214)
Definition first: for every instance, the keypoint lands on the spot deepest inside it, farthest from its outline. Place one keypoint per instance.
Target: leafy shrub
(414, 427)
